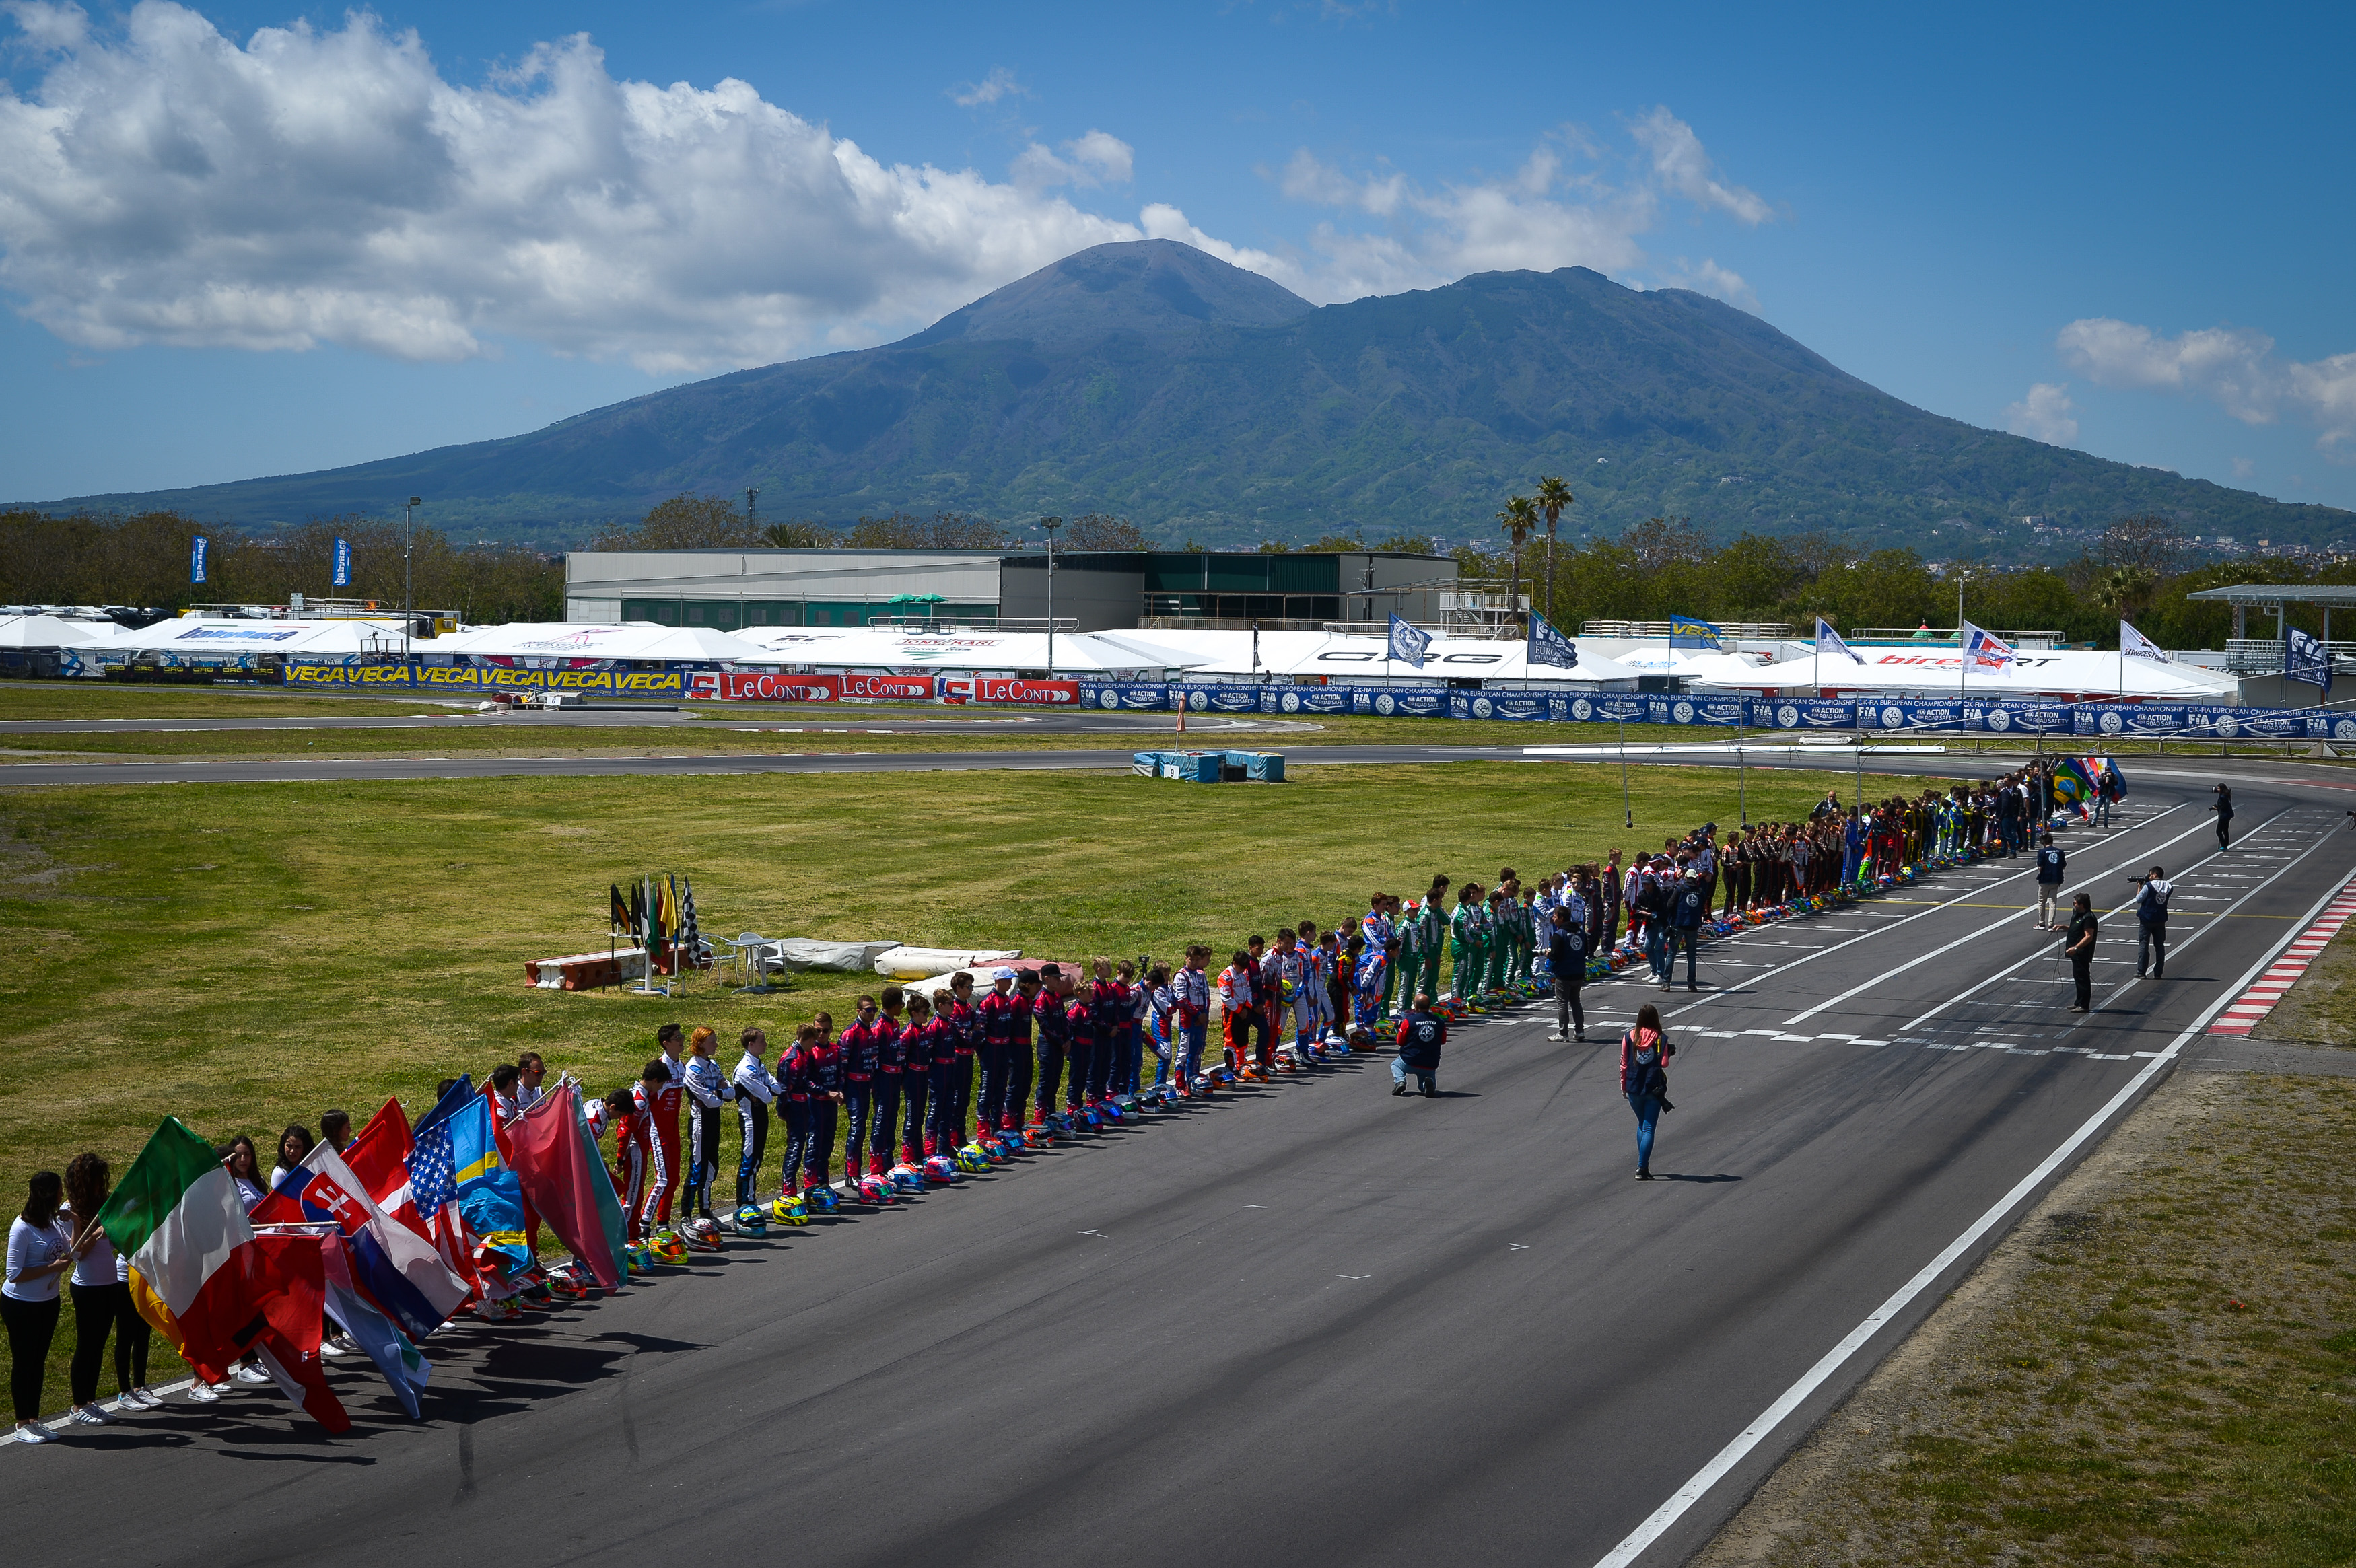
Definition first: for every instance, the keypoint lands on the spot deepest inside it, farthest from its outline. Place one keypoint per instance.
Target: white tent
(54, 632)
(1932, 671)
(1335, 656)
(631, 640)
(1077, 654)
(189, 637)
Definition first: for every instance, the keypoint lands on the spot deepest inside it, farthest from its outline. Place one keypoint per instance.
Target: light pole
(1048, 525)
(752, 512)
(408, 598)
(1963, 660)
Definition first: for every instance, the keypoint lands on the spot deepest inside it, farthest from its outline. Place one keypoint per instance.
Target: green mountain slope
(1202, 402)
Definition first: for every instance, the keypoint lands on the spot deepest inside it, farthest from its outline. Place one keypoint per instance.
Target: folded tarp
(848, 957)
(924, 963)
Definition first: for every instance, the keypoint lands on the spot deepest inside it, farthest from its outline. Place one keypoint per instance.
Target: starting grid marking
(2252, 1005)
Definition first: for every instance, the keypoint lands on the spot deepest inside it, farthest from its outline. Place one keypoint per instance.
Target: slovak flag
(397, 1268)
(1407, 643)
(1985, 649)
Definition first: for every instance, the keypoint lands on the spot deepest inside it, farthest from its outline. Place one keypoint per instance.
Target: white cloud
(1681, 165)
(2245, 468)
(2233, 366)
(999, 83)
(1096, 158)
(163, 184)
(1554, 210)
(2046, 415)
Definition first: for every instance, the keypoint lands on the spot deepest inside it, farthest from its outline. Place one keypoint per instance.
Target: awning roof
(2041, 673)
(875, 647)
(2273, 593)
(630, 640)
(57, 632)
(196, 638)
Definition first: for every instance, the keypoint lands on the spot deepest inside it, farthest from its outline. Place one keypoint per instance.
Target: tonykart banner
(1125, 697)
(438, 678)
(1009, 689)
(1401, 701)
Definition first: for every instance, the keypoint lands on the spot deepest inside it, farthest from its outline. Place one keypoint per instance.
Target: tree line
(142, 561)
(714, 522)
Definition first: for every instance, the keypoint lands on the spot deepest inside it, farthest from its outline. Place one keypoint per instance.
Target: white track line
(1750, 1437)
(1974, 936)
(1969, 893)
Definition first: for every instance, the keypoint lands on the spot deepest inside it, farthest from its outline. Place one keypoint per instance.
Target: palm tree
(1519, 519)
(1552, 496)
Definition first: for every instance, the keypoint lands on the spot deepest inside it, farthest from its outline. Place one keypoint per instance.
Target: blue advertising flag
(1549, 647)
(343, 563)
(2304, 659)
(1684, 632)
(196, 558)
(1829, 642)
(1407, 643)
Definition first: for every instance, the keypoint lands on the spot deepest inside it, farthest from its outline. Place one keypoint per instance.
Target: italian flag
(208, 1284)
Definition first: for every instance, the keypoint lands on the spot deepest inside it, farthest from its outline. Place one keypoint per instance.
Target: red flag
(284, 1337)
(566, 1182)
(379, 1157)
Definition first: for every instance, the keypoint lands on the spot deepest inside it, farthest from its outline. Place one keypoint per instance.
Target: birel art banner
(438, 678)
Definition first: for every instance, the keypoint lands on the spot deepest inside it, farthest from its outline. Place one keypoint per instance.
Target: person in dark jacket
(2225, 810)
(1420, 1035)
(1688, 907)
(1644, 1053)
(2078, 946)
(1567, 961)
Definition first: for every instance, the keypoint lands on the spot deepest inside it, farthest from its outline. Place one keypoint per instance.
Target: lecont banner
(621, 682)
(1401, 701)
(1125, 697)
(1007, 688)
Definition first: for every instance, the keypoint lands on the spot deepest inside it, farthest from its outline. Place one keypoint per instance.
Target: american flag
(431, 1174)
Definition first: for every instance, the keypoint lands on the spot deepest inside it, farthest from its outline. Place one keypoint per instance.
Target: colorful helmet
(905, 1177)
(564, 1285)
(971, 1158)
(1111, 1110)
(875, 1189)
(751, 1221)
(820, 1199)
(785, 1210)
(666, 1247)
(940, 1170)
(700, 1235)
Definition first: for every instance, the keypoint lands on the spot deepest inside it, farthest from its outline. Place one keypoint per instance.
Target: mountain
(1205, 402)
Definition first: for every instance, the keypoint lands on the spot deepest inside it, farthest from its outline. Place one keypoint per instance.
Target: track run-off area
(1309, 1322)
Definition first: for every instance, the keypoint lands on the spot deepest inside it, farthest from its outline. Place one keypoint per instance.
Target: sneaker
(1398, 1088)
(246, 1374)
(1579, 1039)
(337, 1345)
(1556, 1037)
(205, 1394)
(91, 1416)
(129, 1404)
(34, 1432)
(1432, 1094)
(1644, 1176)
(2076, 1008)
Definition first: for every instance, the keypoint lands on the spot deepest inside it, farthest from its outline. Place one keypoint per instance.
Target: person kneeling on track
(1420, 1035)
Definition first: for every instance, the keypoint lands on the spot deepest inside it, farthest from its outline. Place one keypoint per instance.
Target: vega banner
(619, 682)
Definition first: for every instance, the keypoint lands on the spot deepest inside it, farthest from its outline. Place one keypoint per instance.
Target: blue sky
(2125, 230)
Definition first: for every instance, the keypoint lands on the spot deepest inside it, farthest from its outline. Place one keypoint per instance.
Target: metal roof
(2271, 594)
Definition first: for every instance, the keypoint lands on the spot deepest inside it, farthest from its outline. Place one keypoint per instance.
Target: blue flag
(1547, 645)
(1684, 632)
(1407, 643)
(2306, 659)
(1829, 642)
(453, 1158)
(343, 563)
(196, 558)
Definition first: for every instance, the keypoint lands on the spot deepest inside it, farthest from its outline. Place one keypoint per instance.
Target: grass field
(247, 955)
(2158, 1367)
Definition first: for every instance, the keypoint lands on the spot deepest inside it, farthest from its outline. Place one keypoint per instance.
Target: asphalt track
(1310, 1323)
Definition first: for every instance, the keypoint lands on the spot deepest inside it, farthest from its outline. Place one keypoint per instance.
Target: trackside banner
(441, 678)
(1412, 701)
(1003, 689)
(1125, 697)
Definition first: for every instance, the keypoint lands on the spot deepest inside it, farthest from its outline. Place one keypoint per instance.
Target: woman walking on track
(1644, 1053)
(2225, 810)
